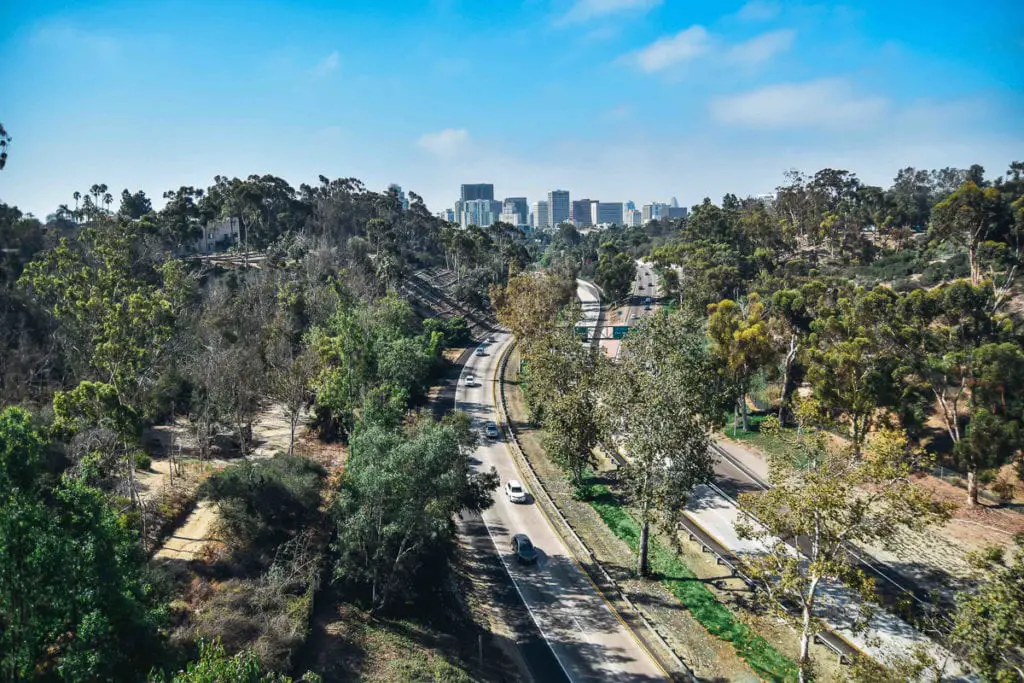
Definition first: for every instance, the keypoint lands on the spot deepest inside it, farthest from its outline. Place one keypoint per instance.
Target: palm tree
(107, 200)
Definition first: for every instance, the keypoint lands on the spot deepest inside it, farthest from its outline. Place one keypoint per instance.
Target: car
(647, 300)
(480, 351)
(523, 548)
(491, 431)
(514, 491)
(640, 286)
(469, 381)
(633, 317)
(492, 338)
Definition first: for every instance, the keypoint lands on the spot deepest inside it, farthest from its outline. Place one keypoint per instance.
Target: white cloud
(684, 46)
(696, 43)
(327, 65)
(444, 143)
(62, 35)
(758, 10)
(761, 48)
(585, 10)
(824, 103)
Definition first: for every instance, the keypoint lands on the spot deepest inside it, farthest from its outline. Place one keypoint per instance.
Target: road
(588, 640)
(645, 285)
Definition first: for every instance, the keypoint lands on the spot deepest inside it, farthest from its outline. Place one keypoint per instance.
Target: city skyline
(713, 98)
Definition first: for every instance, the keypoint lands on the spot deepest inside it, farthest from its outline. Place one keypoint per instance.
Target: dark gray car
(523, 549)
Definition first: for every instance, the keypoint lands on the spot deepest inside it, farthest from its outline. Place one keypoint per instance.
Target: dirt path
(190, 538)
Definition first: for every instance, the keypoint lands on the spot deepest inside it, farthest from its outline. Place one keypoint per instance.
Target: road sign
(582, 331)
(619, 331)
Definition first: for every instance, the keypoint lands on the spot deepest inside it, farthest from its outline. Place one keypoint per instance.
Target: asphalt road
(587, 638)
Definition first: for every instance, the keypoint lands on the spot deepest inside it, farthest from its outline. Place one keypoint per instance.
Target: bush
(264, 503)
(142, 460)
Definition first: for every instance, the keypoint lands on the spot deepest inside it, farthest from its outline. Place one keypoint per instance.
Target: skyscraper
(541, 217)
(674, 203)
(558, 207)
(401, 195)
(609, 213)
(581, 217)
(477, 191)
(632, 218)
(516, 205)
(480, 212)
(630, 205)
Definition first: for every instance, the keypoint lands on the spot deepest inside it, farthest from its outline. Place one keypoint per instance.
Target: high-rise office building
(558, 207)
(653, 212)
(516, 205)
(608, 213)
(671, 212)
(446, 215)
(674, 203)
(401, 195)
(632, 218)
(541, 216)
(630, 205)
(479, 212)
(477, 191)
(581, 217)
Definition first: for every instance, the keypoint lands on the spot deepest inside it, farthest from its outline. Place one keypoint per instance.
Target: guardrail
(552, 512)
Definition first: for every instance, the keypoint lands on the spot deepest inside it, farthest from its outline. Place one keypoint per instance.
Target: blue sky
(610, 99)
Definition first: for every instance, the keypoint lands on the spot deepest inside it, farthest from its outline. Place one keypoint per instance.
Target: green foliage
(694, 595)
(216, 666)
(615, 271)
(117, 321)
(366, 346)
(987, 621)
(454, 330)
(73, 603)
(263, 503)
(395, 509)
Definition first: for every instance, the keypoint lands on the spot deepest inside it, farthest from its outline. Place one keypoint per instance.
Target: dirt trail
(189, 539)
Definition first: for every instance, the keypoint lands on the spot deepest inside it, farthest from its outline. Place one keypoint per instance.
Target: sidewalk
(886, 636)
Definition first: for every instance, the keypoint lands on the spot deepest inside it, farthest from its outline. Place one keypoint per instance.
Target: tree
(987, 624)
(293, 372)
(965, 354)
(529, 304)
(561, 381)
(851, 357)
(966, 218)
(5, 141)
(395, 510)
(661, 402)
(740, 338)
(134, 206)
(615, 271)
(824, 499)
(73, 603)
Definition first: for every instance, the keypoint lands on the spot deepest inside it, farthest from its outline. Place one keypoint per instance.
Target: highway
(588, 640)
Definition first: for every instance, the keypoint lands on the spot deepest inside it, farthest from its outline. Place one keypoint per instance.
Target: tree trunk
(790, 357)
(745, 411)
(803, 664)
(294, 419)
(641, 561)
(972, 256)
(972, 487)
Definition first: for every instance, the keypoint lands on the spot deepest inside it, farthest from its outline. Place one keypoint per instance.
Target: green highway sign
(619, 331)
(582, 331)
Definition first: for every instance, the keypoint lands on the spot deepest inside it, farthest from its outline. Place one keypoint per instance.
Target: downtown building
(518, 207)
(607, 213)
(581, 213)
(559, 207)
(477, 191)
(479, 212)
(540, 217)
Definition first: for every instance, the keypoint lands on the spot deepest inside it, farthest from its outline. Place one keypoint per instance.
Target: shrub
(265, 502)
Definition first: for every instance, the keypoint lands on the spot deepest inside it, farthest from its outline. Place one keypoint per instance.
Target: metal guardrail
(553, 512)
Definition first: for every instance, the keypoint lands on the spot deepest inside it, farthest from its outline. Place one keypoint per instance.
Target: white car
(480, 351)
(633, 317)
(470, 381)
(514, 491)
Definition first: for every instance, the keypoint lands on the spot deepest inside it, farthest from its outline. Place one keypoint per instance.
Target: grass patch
(754, 437)
(764, 659)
